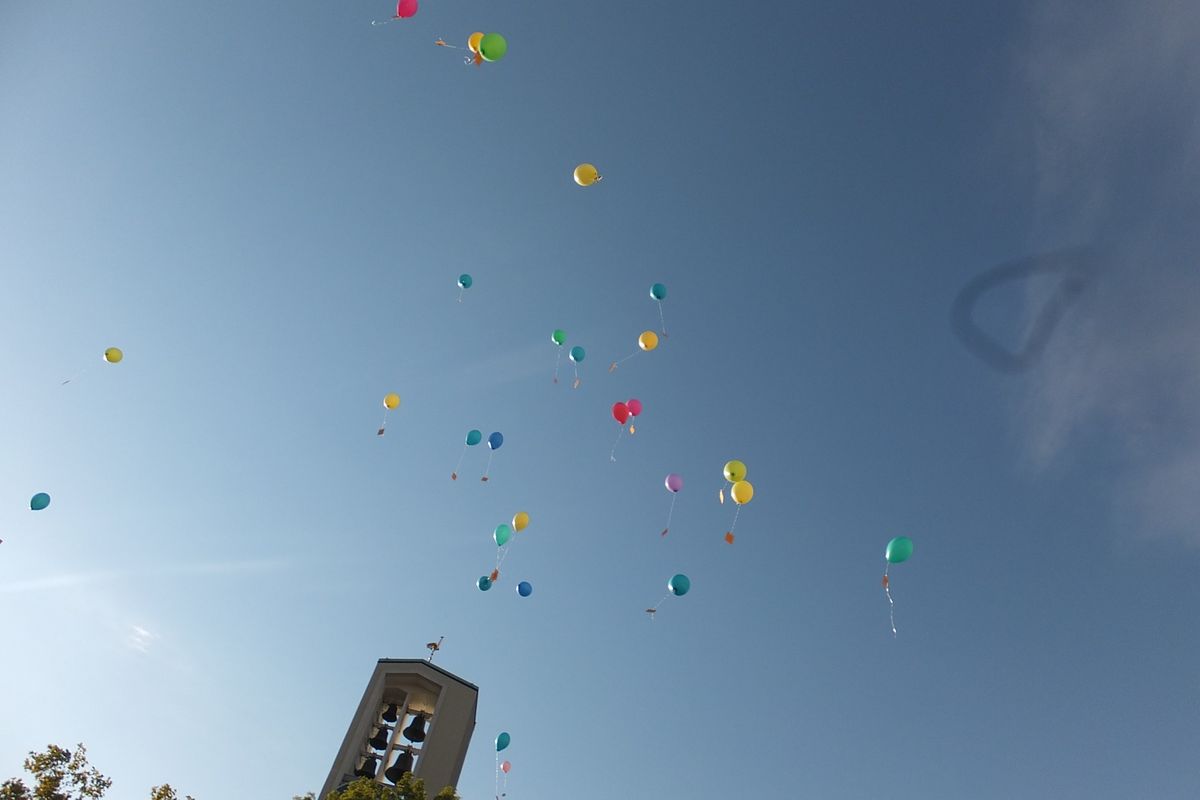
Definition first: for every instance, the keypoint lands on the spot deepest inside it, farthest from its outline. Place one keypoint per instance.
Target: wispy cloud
(139, 639)
(71, 580)
(1115, 90)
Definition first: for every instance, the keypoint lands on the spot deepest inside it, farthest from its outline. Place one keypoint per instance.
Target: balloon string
(578, 381)
(662, 320)
(460, 293)
(612, 456)
(674, 497)
(79, 374)
(654, 609)
(384, 22)
(488, 468)
(557, 361)
(454, 475)
(497, 775)
(382, 425)
(891, 604)
(735, 516)
(613, 366)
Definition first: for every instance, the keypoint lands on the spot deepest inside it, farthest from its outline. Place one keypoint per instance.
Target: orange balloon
(473, 41)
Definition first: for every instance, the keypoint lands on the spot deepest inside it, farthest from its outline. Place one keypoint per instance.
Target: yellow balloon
(648, 340)
(391, 401)
(519, 521)
(586, 175)
(473, 41)
(113, 355)
(735, 471)
(742, 492)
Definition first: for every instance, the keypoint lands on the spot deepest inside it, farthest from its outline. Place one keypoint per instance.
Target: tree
(60, 774)
(409, 788)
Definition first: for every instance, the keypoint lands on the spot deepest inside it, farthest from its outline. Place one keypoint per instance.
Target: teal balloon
(898, 549)
(474, 437)
(503, 741)
(464, 281)
(679, 585)
(577, 354)
(559, 337)
(39, 501)
(658, 291)
(484, 583)
(502, 535)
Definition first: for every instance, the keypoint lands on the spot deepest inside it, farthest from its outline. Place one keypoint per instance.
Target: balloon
(495, 440)
(473, 41)
(492, 47)
(898, 549)
(620, 412)
(635, 406)
(648, 340)
(559, 337)
(502, 535)
(586, 175)
(674, 482)
(502, 741)
(391, 401)
(484, 583)
(113, 355)
(735, 471)
(742, 492)
(520, 521)
(506, 766)
(577, 353)
(524, 588)
(658, 291)
(465, 281)
(474, 437)
(39, 501)
(679, 585)
(406, 8)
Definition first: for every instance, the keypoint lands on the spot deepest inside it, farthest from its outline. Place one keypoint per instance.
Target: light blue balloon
(495, 440)
(524, 588)
(502, 534)
(484, 583)
(474, 437)
(577, 354)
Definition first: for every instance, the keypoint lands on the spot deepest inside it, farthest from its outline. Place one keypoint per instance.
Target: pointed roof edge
(431, 665)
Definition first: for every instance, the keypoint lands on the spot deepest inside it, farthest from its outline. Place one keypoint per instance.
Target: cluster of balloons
(577, 354)
(622, 412)
(502, 535)
(740, 490)
(897, 551)
(586, 175)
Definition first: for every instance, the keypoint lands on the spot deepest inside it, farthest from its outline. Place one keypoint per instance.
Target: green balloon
(898, 549)
(492, 47)
(474, 437)
(559, 337)
(502, 535)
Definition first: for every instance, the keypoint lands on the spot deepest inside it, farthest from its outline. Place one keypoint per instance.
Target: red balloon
(635, 406)
(621, 412)
(406, 9)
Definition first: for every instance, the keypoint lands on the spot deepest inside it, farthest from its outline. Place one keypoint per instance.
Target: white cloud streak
(71, 580)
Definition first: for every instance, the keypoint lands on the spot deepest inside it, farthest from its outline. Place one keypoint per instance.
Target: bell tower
(414, 717)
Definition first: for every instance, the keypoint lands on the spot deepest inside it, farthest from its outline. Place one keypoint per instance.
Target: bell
(380, 739)
(390, 714)
(367, 770)
(404, 763)
(416, 731)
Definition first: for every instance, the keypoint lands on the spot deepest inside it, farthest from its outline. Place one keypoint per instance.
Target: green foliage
(409, 788)
(60, 774)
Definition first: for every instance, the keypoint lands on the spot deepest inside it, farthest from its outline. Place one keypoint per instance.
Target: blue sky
(267, 207)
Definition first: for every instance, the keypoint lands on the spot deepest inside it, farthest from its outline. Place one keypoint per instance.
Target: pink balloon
(674, 482)
(406, 9)
(505, 767)
(635, 406)
(620, 412)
